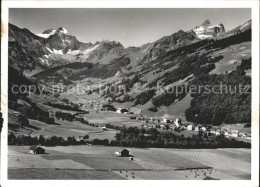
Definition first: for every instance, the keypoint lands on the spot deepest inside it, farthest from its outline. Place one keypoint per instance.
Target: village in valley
(168, 124)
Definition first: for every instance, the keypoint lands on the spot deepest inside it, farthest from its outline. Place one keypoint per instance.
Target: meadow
(99, 162)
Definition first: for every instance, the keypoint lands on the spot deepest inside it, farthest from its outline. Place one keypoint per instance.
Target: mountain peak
(205, 23)
(62, 30)
(109, 43)
(206, 30)
(50, 32)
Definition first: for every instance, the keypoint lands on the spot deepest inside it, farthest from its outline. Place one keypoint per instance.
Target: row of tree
(135, 137)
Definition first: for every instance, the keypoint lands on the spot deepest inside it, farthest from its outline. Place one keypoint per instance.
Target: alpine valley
(205, 55)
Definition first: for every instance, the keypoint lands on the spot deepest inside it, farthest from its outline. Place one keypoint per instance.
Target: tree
(86, 136)
(41, 140)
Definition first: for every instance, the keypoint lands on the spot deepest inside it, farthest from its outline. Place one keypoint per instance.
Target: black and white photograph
(130, 93)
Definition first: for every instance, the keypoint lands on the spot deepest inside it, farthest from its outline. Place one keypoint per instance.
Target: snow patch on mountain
(87, 52)
(58, 52)
(205, 30)
(47, 35)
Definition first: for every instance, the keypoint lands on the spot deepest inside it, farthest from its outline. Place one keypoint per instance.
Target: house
(234, 133)
(121, 110)
(218, 132)
(190, 127)
(162, 126)
(103, 128)
(197, 128)
(203, 129)
(166, 120)
(51, 113)
(177, 122)
(123, 153)
(81, 137)
(36, 150)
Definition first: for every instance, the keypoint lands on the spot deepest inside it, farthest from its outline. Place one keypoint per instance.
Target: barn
(123, 153)
(36, 150)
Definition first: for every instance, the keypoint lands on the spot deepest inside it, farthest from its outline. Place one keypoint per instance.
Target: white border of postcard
(253, 4)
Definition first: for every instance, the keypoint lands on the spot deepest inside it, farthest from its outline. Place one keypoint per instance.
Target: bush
(153, 109)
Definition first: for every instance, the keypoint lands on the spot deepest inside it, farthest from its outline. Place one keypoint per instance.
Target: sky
(131, 27)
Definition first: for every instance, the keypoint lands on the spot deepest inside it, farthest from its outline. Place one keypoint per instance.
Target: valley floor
(99, 162)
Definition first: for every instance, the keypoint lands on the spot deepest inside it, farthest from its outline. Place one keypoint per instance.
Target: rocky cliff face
(206, 30)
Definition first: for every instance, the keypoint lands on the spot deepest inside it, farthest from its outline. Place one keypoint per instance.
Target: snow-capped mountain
(47, 33)
(239, 29)
(206, 30)
(56, 47)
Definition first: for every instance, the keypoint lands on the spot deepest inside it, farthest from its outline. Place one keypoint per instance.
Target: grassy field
(239, 51)
(99, 162)
(66, 128)
(60, 174)
(104, 117)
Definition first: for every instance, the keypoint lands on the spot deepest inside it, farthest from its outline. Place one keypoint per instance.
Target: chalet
(234, 133)
(218, 132)
(190, 127)
(197, 128)
(242, 134)
(224, 132)
(213, 130)
(81, 138)
(166, 120)
(177, 122)
(36, 150)
(203, 129)
(103, 128)
(121, 110)
(123, 153)
(51, 113)
(162, 126)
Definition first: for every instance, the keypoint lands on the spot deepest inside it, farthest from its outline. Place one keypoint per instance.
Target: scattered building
(204, 129)
(165, 120)
(234, 133)
(196, 128)
(123, 153)
(177, 122)
(36, 150)
(122, 110)
(51, 113)
(190, 127)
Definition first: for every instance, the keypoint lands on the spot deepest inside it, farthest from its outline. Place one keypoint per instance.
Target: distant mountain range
(55, 47)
